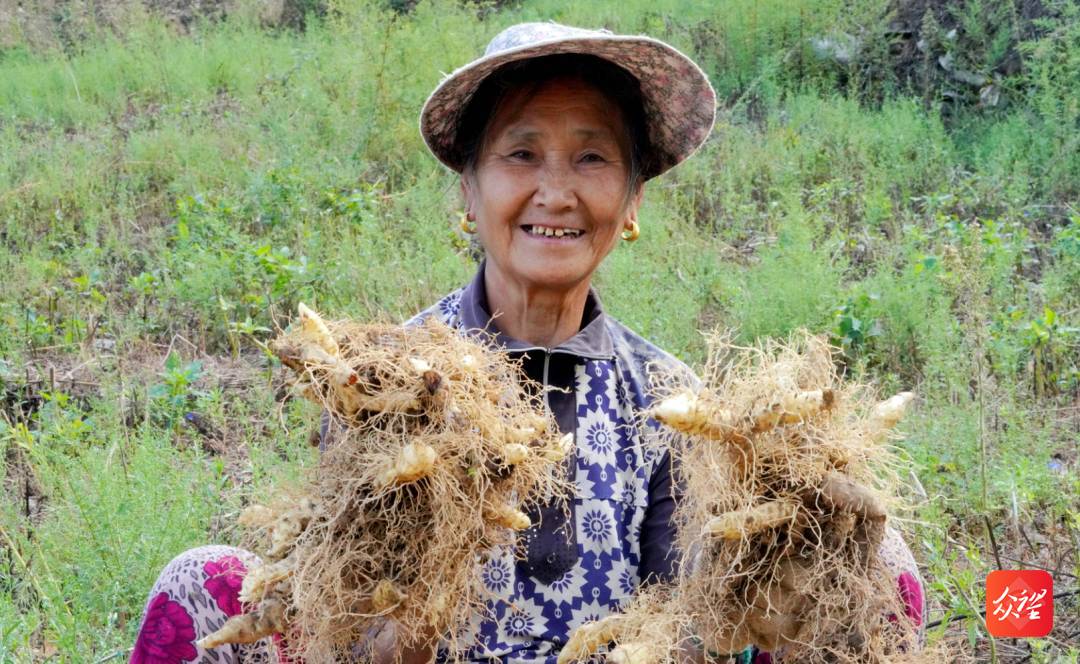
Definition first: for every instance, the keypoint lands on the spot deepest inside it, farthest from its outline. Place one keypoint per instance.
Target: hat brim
(680, 104)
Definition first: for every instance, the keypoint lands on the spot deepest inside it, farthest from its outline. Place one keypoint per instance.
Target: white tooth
(548, 232)
(558, 232)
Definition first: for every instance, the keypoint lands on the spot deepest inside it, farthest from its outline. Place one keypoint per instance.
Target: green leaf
(193, 370)
(1049, 317)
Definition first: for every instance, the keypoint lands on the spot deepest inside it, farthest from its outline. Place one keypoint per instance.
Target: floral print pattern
(167, 634)
(912, 595)
(497, 575)
(600, 438)
(628, 583)
(518, 623)
(223, 580)
(194, 595)
(596, 526)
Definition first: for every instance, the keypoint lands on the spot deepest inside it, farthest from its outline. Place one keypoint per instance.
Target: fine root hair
(439, 447)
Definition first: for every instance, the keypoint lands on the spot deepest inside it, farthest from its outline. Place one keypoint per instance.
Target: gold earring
(632, 233)
(466, 228)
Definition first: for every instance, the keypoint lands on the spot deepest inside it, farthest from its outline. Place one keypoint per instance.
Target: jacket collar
(593, 340)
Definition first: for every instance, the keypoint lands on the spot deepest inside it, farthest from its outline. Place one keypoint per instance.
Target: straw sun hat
(680, 104)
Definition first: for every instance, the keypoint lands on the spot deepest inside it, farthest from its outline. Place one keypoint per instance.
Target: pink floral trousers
(193, 597)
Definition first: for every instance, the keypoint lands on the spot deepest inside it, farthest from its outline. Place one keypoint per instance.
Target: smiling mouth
(551, 231)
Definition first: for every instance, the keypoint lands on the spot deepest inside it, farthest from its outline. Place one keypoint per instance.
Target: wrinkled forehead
(567, 102)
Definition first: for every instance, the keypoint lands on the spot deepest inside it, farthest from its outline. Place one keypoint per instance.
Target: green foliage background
(165, 198)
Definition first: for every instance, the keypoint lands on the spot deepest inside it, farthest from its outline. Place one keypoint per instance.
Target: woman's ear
(468, 191)
(634, 202)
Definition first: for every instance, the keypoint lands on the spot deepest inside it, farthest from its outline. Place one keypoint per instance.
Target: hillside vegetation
(170, 189)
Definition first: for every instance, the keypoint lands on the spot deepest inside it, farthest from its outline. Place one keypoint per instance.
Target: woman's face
(549, 188)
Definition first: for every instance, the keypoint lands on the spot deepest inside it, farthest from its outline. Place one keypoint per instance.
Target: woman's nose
(555, 188)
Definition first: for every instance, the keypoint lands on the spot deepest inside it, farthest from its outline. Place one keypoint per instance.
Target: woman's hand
(387, 649)
(773, 615)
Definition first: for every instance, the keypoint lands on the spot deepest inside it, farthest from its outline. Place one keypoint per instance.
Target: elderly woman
(555, 131)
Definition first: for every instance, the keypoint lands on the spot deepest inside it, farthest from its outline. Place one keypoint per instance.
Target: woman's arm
(658, 552)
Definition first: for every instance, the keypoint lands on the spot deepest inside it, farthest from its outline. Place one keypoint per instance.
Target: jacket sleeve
(659, 553)
(659, 556)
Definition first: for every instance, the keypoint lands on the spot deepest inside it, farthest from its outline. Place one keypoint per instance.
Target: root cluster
(438, 448)
(786, 476)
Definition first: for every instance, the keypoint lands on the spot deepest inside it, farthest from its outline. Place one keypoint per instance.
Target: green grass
(165, 193)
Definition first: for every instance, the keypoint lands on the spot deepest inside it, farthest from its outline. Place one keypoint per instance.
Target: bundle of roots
(787, 472)
(438, 447)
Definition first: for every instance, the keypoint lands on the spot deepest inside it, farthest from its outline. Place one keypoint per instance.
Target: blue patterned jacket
(621, 532)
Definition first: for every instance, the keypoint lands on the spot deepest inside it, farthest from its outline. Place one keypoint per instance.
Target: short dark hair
(616, 84)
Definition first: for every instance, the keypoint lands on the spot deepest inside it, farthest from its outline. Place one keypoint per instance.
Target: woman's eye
(592, 157)
(521, 154)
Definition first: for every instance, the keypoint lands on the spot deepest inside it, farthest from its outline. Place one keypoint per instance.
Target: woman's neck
(537, 316)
